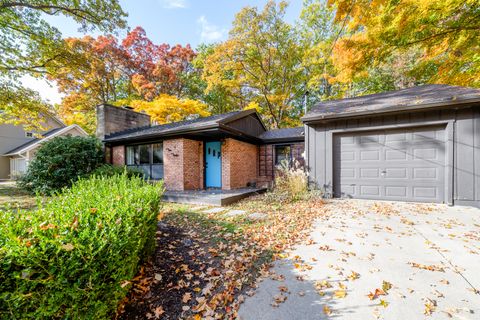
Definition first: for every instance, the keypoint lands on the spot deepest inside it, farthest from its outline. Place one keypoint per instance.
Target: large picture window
(146, 157)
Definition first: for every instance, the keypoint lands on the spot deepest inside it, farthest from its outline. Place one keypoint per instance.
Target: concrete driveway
(378, 260)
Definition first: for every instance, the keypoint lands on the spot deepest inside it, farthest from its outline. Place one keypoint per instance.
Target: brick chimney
(111, 119)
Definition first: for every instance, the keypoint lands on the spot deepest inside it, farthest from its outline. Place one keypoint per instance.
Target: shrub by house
(61, 161)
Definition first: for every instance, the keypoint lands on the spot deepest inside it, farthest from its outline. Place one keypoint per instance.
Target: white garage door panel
(400, 164)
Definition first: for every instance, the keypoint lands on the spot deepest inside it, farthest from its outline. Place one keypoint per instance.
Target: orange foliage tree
(444, 36)
(102, 70)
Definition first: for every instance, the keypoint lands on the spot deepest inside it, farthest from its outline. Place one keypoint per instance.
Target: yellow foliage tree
(166, 108)
(446, 31)
(260, 62)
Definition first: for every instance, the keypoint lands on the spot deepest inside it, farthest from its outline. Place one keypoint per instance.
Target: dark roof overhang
(283, 140)
(396, 109)
(216, 131)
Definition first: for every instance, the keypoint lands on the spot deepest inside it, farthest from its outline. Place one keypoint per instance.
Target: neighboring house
(417, 144)
(226, 151)
(18, 146)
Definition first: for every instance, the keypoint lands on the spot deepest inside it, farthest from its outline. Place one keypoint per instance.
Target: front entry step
(210, 197)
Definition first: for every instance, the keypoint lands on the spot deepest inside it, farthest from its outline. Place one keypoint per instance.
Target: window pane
(130, 155)
(157, 172)
(144, 152)
(158, 153)
(282, 153)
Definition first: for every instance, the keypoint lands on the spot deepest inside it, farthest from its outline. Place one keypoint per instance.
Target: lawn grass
(13, 197)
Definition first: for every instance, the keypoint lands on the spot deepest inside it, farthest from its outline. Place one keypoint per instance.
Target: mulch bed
(160, 296)
(177, 280)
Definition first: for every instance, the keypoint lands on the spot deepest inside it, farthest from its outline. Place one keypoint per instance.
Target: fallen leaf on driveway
(406, 221)
(340, 293)
(374, 295)
(326, 248)
(353, 276)
(322, 284)
(427, 267)
(386, 286)
(430, 307)
(279, 298)
(327, 310)
(383, 303)
(283, 289)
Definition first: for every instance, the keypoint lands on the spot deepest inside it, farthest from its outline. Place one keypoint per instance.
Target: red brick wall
(173, 164)
(239, 164)
(192, 164)
(183, 164)
(118, 155)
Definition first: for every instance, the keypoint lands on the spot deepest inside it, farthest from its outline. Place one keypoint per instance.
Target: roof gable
(46, 136)
(250, 124)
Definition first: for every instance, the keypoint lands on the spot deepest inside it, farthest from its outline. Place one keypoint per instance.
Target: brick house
(226, 151)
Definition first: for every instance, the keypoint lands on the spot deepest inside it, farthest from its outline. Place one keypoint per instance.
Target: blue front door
(213, 164)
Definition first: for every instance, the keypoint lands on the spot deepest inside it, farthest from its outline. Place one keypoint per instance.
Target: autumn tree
(93, 72)
(29, 45)
(166, 108)
(261, 62)
(157, 69)
(318, 33)
(446, 34)
(218, 98)
(104, 70)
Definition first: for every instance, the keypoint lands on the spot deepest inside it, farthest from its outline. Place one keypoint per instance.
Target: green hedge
(60, 162)
(71, 258)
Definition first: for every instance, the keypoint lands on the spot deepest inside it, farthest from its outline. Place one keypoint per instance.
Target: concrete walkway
(423, 261)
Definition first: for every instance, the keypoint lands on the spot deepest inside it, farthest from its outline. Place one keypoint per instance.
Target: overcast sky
(169, 21)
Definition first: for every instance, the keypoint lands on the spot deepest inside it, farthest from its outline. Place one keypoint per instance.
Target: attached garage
(419, 144)
(400, 164)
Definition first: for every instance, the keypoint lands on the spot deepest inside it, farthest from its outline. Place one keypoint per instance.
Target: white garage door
(400, 164)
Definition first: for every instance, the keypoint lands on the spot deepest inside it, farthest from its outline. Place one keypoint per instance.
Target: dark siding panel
(321, 154)
(310, 137)
(353, 123)
(464, 151)
(364, 122)
(476, 138)
(377, 121)
(250, 125)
